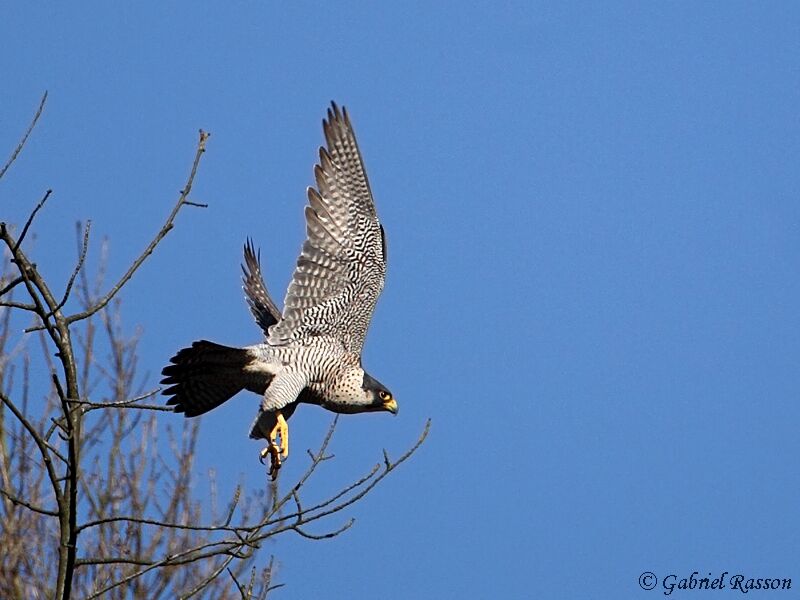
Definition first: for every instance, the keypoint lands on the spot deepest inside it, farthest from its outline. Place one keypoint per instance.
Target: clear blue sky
(593, 290)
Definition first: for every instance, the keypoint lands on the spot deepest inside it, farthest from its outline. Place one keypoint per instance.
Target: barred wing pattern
(258, 299)
(342, 265)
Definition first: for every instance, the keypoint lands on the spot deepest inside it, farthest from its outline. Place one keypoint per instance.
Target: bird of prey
(312, 351)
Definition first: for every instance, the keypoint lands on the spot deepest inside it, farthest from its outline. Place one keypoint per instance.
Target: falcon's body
(312, 351)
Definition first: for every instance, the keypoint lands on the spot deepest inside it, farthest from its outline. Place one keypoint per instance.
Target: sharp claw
(275, 465)
(275, 450)
(274, 459)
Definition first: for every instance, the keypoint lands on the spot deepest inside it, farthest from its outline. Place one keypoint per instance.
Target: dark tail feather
(204, 376)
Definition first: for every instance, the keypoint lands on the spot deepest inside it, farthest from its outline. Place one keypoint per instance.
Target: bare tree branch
(39, 441)
(24, 139)
(324, 536)
(19, 305)
(78, 267)
(11, 285)
(124, 405)
(125, 522)
(35, 210)
(165, 229)
(248, 538)
(19, 501)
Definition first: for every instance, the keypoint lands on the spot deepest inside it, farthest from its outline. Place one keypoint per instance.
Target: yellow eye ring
(384, 395)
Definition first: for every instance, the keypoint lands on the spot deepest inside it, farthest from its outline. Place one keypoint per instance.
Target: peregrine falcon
(312, 351)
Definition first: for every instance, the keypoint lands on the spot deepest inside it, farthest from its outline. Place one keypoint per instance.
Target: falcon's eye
(385, 396)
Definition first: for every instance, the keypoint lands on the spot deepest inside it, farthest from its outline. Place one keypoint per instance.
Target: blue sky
(592, 212)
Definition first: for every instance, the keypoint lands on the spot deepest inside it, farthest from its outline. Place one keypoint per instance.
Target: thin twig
(35, 210)
(81, 259)
(242, 546)
(157, 522)
(207, 549)
(25, 137)
(201, 585)
(34, 284)
(19, 305)
(11, 285)
(123, 404)
(39, 441)
(353, 499)
(165, 229)
(56, 453)
(335, 497)
(242, 592)
(325, 536)
(19, 501)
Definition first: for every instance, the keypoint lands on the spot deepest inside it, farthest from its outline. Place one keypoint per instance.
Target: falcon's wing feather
(261, 305)
(342, 265)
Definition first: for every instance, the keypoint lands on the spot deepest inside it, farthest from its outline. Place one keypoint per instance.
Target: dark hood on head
(370, 383)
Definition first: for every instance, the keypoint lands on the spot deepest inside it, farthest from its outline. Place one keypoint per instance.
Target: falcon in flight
(312, 352)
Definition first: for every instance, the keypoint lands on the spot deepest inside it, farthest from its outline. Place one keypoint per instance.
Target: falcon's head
(354, 391)
(380, 398)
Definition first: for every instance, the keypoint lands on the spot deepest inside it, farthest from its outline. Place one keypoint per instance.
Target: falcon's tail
(204, 376)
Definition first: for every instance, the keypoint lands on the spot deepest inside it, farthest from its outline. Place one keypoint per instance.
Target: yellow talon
(281, 430)
(277, 445)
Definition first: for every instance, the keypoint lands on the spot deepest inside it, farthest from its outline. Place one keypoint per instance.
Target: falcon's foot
(274, 460)
(278, 445)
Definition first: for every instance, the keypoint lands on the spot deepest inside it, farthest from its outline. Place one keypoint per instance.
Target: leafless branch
(19, 305)
(127, 403)
(35, 210)
(324, 536)
(19, 501)
(24, 139)
(78, 267)
(165, 229)
(250, 537)
(39, 441)
(141, 533)
(11, 285)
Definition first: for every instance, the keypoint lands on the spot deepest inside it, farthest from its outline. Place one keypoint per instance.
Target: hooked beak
(391, 406)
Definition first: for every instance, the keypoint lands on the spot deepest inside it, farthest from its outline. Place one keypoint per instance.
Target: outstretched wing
(261, 305)
(342, 265)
